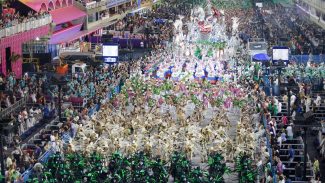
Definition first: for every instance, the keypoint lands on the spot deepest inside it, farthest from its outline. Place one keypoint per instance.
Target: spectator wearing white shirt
(281, 179)
(289, 131)
(292, 100)
(53, 139)
(293, 116)
(8, 103)
(21, 92)
(279, 107)
(21, 122)
(32, 119)
(9, 161)
(269, 178)
(25, 114)
(318, 100)
(33, 97)
(308, 103)
(279, 141)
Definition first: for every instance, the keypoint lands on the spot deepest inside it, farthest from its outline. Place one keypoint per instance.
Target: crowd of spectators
(283, 132)
(145, 27)
(282, 26)
(22, 120)
(303, 36)
(11, 18)
(279, 26)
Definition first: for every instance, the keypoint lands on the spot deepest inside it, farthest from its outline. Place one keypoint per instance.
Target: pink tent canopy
(65, 35)
(66, 14)
(70, 34)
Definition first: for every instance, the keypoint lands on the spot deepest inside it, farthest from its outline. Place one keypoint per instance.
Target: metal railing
(69, 50)
(42, 159)
(303, 59)
(318, 4)
(256, 40)
(111, 3)
(269, 149)
(25, 26)
(7, 111)
(105, 3)
(95, 4)
(311, 16)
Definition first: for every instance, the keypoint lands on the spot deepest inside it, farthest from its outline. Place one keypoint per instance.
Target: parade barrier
(26, 26)
(42, 159)
(136, 43)
(303, 59)
(269, 149)
(7, 111)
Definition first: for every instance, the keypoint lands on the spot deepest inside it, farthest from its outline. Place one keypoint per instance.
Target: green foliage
(167, 86)
(216, 45)
(140, 167)
(156, 90)
(231, 4)
(239, 103)
(198, 176)
(118, 168)
(187, 3)
(198, 53)
(195, 100)
(210, 53)
(244, 167)
(180, 167)
(217, 168)
(151, 102)
(159, 171)
(218, 102)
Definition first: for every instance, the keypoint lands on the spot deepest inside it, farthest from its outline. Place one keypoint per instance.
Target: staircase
(296, 143)
(319, 112)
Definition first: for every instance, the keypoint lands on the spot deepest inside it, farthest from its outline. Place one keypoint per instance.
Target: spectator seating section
(44, 136)
(297, 144)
